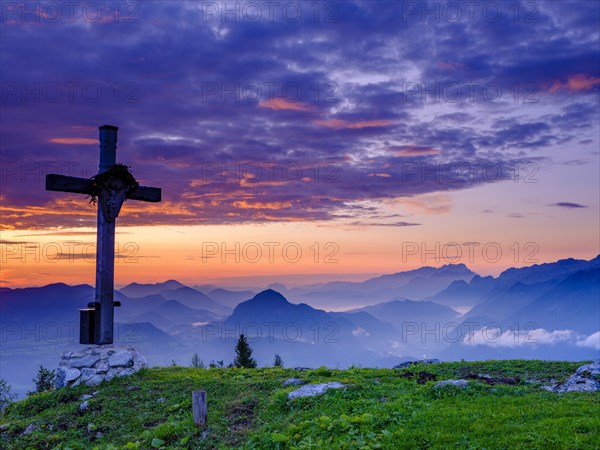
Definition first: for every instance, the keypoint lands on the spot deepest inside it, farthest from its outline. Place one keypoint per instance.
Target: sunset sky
(302, 141)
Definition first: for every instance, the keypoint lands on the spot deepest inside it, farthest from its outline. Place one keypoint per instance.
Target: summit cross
(97, 321)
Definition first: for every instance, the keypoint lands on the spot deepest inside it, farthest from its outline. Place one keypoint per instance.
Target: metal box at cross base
(87, 318)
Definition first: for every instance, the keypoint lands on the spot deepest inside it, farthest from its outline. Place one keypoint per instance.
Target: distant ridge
(136, 290)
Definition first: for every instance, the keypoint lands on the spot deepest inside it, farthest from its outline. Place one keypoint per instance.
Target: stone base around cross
(97, 363)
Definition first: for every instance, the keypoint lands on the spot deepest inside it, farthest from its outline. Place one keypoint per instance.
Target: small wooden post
(199, 408)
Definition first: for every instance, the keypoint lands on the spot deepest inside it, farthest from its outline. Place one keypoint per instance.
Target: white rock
(85, 361)
(583, 380)
(97, 363)
(293, 382)
(95, 380)
(458, 383)
(64, 375)
(593, 369)
(87, 373)
(418, 361)
(84, 406)
(310, 390)
(31, 428)
(121, 359)
(102, 367)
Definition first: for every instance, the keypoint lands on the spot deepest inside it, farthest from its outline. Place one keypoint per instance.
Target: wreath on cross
(106, 180)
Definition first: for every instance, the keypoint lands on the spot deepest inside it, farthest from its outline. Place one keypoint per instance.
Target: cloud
(428, 203)
(592, 341)
(74, 141)
(493, 337)
(280, 104)
(360, 332)
(382, 224)
(412, 150)
(382, 175)
(568, 205)
(451, 66)
(262, 205)
(358, 137)
(578, 82)
(339, 123)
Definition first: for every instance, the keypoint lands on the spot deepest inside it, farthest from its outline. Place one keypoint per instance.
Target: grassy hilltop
(380, 408)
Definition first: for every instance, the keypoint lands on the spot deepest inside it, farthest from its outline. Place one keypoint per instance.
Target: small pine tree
(278, 362)
(243, 354)
(197, 362)
(44, 380)
(173, 363)
(6, 396)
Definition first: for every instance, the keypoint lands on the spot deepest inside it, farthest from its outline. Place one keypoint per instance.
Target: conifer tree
(243, 354)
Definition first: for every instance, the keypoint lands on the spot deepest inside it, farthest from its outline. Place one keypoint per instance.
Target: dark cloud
(568, 205)
(382, 224)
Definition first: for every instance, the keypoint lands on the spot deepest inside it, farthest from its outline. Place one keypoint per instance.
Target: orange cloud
(74, 141)
(382, 175)
(243, 204)
(578, 82)
(247, 182)
(338, 123)
(280, 104)
(413, 150)
(198, 182)
(427, 203)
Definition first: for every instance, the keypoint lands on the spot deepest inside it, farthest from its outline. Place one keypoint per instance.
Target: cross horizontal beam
(63, 183)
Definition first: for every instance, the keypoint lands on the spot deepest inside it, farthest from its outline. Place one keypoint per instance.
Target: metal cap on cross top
(97, 321)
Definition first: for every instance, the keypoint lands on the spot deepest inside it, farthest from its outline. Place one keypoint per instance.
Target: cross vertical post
(105, 249)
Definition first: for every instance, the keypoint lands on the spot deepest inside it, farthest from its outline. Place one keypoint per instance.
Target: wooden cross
(110, 199)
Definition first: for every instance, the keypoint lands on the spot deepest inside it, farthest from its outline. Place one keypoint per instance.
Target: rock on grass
(311, 390)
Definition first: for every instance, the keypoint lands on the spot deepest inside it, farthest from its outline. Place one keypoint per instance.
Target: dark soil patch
(492, 381)
(153, 423)
(421, 377)
(241, 416)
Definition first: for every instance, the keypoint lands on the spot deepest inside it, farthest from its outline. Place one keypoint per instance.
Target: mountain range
(554, 307)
